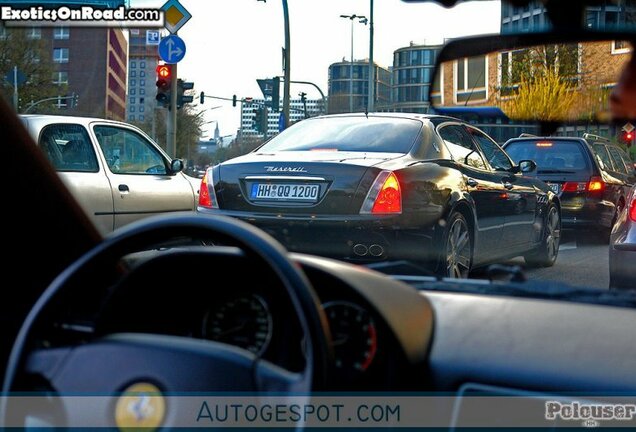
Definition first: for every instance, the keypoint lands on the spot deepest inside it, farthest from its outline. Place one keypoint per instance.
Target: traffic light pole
(171, 127)
(286, 86)
(240, 133)
(322, 95)
(33, 104)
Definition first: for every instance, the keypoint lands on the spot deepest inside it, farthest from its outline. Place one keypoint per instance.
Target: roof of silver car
(66, 119)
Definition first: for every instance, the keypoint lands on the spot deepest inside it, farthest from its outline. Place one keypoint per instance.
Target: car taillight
(385, 195)
(632, 210)
(595, 184)
(207, 196)
(574, 187)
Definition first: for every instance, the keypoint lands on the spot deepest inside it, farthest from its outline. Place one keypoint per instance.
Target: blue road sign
(20, 77)
(152, 37)
(172, 49)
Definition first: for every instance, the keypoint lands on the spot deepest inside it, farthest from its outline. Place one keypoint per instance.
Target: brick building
(88, 62)
(93, 63)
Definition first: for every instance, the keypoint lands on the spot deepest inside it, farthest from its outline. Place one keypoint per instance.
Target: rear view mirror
(539, 77)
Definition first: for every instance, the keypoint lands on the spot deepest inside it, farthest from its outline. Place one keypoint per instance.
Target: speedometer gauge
(354, 335)
(243, 321)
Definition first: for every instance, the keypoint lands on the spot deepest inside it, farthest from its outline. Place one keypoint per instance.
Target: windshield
(349, 134)
(260, 101)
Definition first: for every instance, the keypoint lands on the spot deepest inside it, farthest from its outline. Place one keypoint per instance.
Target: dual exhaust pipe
(374, 250)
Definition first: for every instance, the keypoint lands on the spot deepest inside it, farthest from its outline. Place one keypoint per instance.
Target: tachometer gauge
(354, 335)
(243, 321)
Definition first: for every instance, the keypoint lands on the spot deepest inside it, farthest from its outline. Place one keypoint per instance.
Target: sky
(231, 43)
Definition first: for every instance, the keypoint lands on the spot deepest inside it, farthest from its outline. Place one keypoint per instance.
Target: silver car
(114, 170)
(622, 258)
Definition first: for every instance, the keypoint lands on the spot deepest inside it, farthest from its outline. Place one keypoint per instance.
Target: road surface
(583, 261)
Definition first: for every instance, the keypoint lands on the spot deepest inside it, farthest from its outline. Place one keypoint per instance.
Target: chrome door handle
(507, 185)
(472, 182)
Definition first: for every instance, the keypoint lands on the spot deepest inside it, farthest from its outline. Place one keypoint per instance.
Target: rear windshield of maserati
(348, 134)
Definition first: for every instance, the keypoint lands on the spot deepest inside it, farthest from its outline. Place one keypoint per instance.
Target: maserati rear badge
(285, 169)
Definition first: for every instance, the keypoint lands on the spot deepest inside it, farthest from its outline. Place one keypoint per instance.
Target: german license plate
(556, 187)
(285, 192)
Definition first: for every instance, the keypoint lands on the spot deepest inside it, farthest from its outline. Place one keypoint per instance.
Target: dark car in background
(622, 255)
(386, 187)
(590, 175)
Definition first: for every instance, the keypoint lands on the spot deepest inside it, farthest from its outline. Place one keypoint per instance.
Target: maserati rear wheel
(458, 252)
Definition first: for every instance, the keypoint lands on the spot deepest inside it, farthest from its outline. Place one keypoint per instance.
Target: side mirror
(527, 166)
(176, 166)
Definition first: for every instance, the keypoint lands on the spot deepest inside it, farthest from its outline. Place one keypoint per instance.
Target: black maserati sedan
(427, 189)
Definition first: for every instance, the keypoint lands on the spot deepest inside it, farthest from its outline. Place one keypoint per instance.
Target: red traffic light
(164, 84)
(164, 71)
(629, 136)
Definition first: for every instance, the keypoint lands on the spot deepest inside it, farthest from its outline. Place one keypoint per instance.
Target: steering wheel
(112, 363)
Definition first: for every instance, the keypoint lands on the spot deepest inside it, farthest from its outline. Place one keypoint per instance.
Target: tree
(237, 148)
(530, 63)
(189, 125)
(33, 59)
(539, 83)
(545, 97)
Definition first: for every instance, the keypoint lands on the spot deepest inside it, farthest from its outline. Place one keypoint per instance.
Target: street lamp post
(371, 90)
(363, 20)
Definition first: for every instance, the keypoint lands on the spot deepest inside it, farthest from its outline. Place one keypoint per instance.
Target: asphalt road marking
(567, 246)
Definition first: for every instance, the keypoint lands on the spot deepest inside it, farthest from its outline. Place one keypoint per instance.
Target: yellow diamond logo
(175, 15)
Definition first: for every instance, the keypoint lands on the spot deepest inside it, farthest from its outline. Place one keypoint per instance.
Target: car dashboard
(222, 295)
(386, 335)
